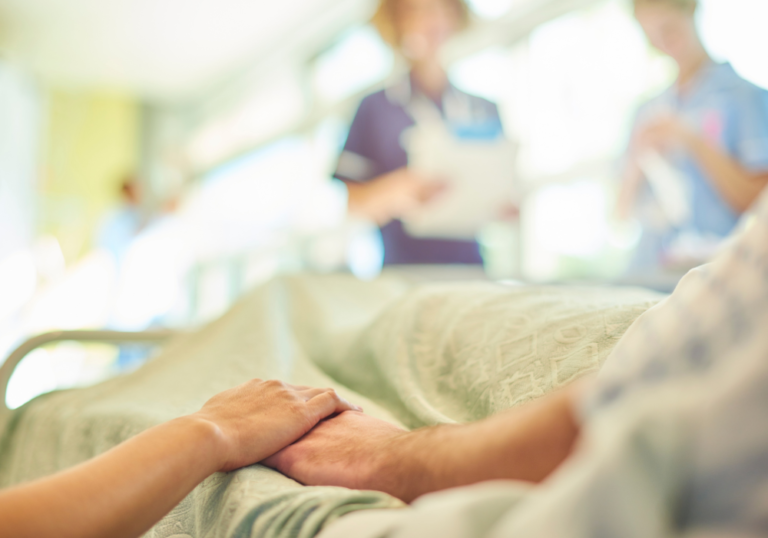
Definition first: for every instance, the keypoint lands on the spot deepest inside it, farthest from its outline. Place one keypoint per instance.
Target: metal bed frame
(107, 337)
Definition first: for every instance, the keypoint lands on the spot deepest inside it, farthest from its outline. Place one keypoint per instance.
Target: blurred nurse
(711, 127)
(374, 163)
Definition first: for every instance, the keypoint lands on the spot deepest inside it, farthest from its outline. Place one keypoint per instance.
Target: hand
(357, 451)
(346, 451)
(664, 134)
(392, 195)
(510, 212)
(258, 418)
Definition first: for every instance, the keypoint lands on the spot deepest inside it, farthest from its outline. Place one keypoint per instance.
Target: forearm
(630, 185)
(125, 491)
(737, 186)
(526, 443)
(121, 493)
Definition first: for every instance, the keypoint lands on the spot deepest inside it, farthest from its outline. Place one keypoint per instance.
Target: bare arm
(391, 195)
(631, 180)
(357, 451)
(738, 186)
(126, 490)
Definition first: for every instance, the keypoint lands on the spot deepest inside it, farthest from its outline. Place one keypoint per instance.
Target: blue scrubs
(732, 114)
(374, 147)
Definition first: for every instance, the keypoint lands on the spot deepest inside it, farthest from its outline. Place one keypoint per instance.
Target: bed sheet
(420, 354)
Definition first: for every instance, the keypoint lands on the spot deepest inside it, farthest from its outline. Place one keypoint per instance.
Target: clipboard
(479, 178)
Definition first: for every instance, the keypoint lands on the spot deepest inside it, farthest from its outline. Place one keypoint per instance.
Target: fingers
(310, 393)
(322, 402)
(432, 190)
(328, 403)
(298, 388)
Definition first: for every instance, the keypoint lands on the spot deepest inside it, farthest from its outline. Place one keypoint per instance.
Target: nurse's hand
(392, 195)
(664, 134)
(258, 418)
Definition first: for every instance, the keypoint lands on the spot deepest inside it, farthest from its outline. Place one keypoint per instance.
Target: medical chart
(478, 175)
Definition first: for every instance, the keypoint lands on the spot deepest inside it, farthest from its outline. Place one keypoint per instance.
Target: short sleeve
(357, 160)
(751, 132)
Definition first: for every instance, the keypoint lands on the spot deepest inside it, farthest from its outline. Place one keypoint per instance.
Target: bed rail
(107, 337)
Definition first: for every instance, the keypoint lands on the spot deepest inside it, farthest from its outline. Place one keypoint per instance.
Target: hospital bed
(408, 353)
(98, 336)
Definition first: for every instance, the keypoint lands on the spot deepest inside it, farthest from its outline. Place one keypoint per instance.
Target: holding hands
(666, 133)
(256, 419)
(351, 450)
(124, 491)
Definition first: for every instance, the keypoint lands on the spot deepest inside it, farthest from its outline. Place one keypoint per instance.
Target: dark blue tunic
(374, 147)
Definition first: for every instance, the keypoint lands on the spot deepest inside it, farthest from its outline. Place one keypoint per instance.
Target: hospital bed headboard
(107, 337)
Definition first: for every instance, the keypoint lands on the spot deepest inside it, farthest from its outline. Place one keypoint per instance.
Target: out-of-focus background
(158, 158)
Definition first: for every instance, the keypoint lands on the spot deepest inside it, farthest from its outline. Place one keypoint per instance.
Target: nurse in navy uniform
(374, 163)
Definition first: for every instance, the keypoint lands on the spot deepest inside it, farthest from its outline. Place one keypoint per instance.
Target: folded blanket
(421, 355)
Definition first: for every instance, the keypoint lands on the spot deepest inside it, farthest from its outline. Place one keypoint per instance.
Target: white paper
(478, 175)
(668, 185)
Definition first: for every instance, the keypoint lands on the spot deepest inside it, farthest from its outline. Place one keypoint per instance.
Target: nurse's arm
(631, 180)
(126, 490)
(738, 186)
(390, 196)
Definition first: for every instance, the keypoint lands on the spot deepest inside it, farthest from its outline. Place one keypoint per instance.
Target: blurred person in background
(709, 131)
(374, 163)
(123, 224)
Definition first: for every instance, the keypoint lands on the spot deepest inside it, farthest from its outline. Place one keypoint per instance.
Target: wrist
(693, 142)
(395, 468)
(414, 463)
(209, 440)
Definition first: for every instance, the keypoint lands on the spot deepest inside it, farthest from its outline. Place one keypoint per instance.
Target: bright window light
(81, 298)
(357, 61)
(275, 107)
(32, 377)
(571, 218)
(734, 30)
(18, 281)
(487, 74)
(582, 93)
(61, 366)
(491, 9)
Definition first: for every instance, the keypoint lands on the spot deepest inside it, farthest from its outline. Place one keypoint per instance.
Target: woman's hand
(126, 490)
(392, 195)
(738, 186)
(256, 419)
(664, 134)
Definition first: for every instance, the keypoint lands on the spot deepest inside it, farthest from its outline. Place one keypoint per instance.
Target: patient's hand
(347, 450)
(357, 451)
(258, 418)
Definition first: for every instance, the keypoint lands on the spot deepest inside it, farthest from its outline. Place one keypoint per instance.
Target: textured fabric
(374, 147)
(446, 353)
(674, 442)
(423, 355)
